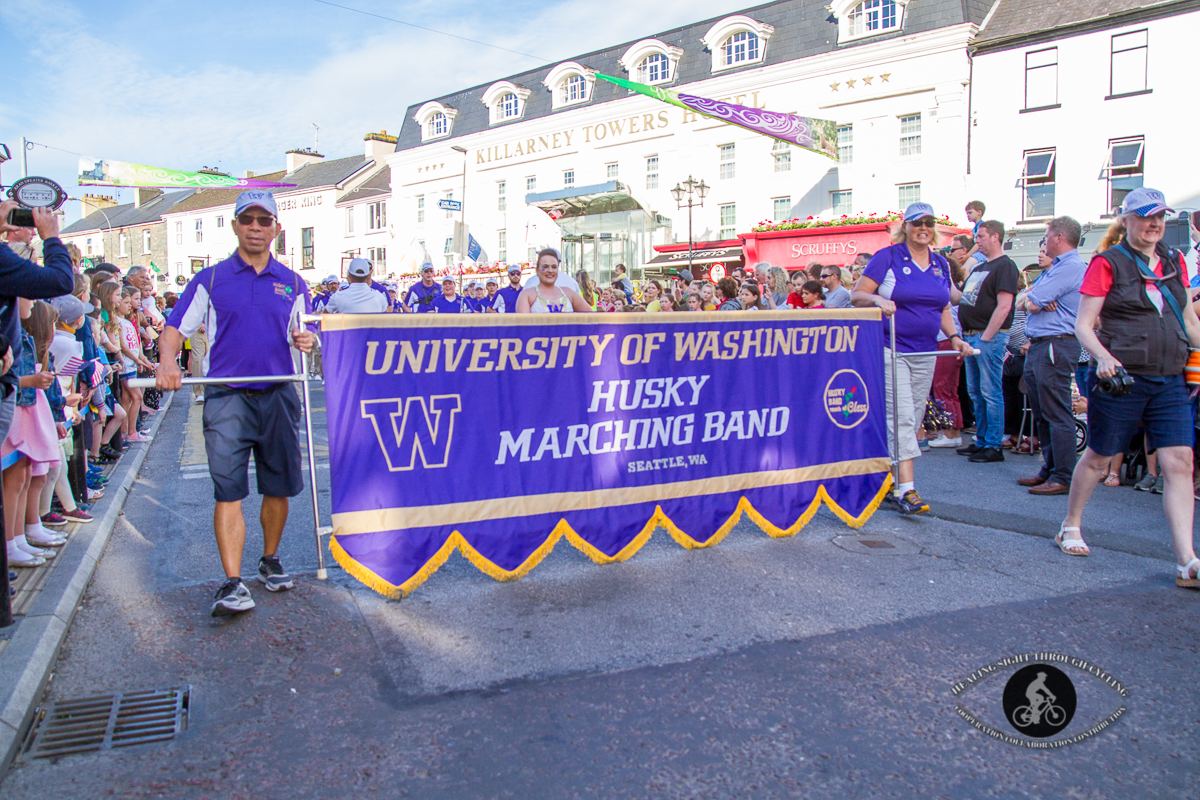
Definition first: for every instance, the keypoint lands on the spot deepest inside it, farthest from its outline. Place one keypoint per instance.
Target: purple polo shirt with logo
(420, 297)
(919, 295)
(248, 317)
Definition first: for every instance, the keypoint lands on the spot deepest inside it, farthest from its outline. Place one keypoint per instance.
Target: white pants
(57, 482)
(914, 378)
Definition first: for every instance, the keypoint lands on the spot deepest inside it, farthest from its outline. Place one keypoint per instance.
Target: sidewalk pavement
(46, 602)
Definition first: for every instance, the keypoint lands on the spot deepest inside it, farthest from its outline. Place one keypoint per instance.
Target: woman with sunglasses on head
(1137, 290)
(546, 297)
(911, 282)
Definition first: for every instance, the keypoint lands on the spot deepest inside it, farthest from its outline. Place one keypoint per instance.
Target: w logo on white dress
(408, 427)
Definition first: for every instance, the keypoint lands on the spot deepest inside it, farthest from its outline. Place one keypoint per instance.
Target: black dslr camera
(1116, 386)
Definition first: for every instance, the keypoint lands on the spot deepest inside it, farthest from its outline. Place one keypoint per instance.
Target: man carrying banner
(248, 297)
(420, 297)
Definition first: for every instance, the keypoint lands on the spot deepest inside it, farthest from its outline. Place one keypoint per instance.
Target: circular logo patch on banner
(846, 400)
(1039, 700)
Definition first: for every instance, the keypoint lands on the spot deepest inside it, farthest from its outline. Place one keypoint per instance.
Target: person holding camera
(1137, 291)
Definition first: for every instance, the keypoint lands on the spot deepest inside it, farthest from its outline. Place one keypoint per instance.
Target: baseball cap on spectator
(493, 282)
(1144, 202)
(70, 308)
(514, 268)
(449, 278)
(427, 267)
(359, 268)
(256, 197)
(917, 211)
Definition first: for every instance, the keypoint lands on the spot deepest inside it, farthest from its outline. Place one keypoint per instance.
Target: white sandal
(1072, 546)
(1184, 577)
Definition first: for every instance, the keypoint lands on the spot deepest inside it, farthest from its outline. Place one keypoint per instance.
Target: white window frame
(349, 220)
(910, 141)
(719, 35)
(846, 150)
(1034, 65)
(420, 209)
(199, 230)
(220, 221)
(179, 232)
(652, 172)
(449, 195)
(568, 178)
(425, 116)
(502, 245)
(781, 153)
(1042, 177)
(1124, 172)
(556, 82)
(121, 241)
(728, 158)
(776, 204)
(145, 241)
(612, 171)
(853, 18)
(501, 198)
(900, 187)
(377, 215)
(530, 184)
(1126, 43)
(499, 95)
(731, 227)
(635, 57)
(846, 195)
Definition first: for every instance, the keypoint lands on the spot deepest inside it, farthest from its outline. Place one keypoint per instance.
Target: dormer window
(436, 120)
(505, 101)
(861, 18)
(737, 41)
(570, 84)
(651, 61)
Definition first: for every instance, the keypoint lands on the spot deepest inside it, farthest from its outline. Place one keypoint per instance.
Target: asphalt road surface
(816, 666)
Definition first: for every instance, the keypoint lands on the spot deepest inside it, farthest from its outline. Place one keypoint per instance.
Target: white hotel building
(602, 160)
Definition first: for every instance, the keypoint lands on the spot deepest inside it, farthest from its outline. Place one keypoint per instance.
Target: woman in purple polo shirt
(912, 282)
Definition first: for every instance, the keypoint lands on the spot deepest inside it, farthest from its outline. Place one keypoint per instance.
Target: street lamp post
(690, 187)
(462, 210)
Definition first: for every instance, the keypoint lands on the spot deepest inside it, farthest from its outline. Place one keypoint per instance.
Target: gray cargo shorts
(267, 423)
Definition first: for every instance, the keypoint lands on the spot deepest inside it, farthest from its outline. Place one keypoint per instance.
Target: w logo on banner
(410, 427)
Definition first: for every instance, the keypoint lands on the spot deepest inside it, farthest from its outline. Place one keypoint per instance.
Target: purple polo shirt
(919, 295)
(510, 296)
(420, 297)
(248, 317)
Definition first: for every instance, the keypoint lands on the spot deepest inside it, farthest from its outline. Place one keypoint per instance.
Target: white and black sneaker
(272, 575)
(232, 598)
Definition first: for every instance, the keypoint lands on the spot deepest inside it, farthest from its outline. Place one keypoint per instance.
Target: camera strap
(1143, 265)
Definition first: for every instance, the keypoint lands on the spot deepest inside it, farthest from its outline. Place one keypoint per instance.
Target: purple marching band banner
(497, 436)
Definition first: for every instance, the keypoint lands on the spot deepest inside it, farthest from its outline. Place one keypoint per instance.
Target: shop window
(728, 221)
(1128, 63)
(1126, 158)
(782, 153)
(908, 193)
(1041, 79)
(1037, 180)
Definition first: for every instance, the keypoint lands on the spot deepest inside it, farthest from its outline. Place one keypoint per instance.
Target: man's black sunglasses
(264, 220)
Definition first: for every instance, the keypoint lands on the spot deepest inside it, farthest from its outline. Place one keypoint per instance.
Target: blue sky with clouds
(234, 84)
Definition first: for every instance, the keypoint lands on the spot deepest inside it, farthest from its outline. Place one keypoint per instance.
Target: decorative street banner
(97, 172)
(817, 135)
(498, 435)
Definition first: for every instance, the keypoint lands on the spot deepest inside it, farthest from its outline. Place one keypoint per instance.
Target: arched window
(651, 61)
(569, 84)
(656, 68)
(436, 120)
(737, 41)
(861, 18)
(742, 46)
(574, 90)
(505, 101)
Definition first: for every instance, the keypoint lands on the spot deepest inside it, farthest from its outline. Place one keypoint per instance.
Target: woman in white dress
(545, 297)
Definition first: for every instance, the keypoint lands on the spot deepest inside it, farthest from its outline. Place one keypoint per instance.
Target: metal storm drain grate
(106, 721)
(876, 544)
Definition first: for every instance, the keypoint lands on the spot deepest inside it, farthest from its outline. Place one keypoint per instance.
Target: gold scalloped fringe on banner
(457, 541)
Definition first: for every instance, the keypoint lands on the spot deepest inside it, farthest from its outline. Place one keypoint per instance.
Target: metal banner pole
(895, 414)
(312, 466)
